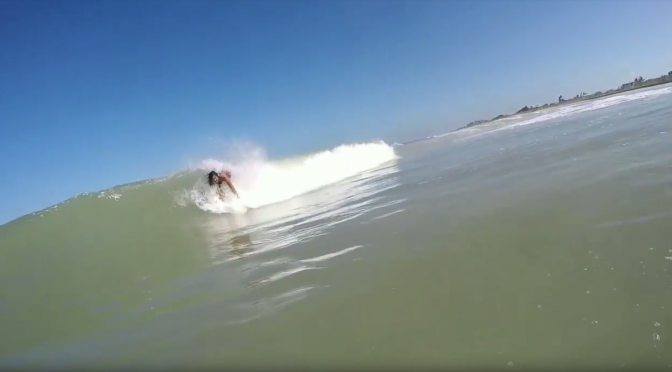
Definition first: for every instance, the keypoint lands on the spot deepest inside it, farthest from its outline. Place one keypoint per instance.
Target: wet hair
(211, 178)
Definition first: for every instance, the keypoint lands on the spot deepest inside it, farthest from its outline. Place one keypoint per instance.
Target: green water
(546, 244)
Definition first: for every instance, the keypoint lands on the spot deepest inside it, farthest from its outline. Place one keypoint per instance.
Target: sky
(99, 93)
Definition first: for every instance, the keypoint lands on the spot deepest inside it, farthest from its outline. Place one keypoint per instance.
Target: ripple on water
(280, 275)
(299, 266)
(389, 214)
(330, 255)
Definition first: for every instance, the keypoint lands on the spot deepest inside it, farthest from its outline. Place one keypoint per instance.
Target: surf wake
(261, 182)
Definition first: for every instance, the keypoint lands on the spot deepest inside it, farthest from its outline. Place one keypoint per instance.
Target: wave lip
(260, 182)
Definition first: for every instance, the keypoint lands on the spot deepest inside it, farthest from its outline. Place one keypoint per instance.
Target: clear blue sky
(95, 93)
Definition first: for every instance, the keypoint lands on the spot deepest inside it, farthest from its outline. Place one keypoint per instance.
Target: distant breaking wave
(262, 182)
(592, 105)
(549, 114)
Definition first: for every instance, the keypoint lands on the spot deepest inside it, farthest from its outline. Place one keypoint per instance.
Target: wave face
(260, 182)
(106, 259)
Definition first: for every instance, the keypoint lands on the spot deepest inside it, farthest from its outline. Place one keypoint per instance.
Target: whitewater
(261, 182)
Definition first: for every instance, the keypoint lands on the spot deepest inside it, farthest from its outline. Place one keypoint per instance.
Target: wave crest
(261, 182)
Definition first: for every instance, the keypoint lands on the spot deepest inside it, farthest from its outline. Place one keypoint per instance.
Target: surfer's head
(213, 178)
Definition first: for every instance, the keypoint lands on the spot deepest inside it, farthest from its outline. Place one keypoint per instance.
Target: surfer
(215, 179)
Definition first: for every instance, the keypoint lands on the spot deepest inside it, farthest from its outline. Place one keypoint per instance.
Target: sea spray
(262, 182)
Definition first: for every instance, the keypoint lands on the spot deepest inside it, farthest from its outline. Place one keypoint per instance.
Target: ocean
(542, 240)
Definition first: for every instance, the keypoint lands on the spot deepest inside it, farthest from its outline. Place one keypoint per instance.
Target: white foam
(592, 105)
(260, 182)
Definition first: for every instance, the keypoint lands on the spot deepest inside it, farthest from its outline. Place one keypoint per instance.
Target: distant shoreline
(638, 83)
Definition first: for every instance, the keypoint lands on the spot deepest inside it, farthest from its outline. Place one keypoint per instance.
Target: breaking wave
(261, 182)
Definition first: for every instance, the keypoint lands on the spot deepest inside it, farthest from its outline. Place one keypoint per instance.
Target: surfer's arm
(230, 184)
